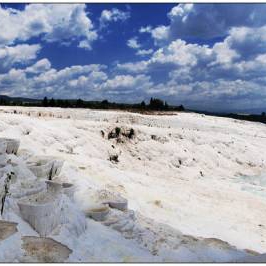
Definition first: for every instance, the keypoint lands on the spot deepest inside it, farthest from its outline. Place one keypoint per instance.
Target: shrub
(114, 158)
(131, 133)
(117, 131)
(154, 137)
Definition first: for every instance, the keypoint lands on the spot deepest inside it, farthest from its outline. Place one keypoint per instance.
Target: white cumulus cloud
(113, 15)
(207, 21)
(54, 22)
(20, 54)
(133, 43)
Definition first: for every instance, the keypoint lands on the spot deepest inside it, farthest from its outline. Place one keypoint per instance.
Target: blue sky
(205, 56)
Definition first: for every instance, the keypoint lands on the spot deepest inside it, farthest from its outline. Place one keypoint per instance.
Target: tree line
(155, 104)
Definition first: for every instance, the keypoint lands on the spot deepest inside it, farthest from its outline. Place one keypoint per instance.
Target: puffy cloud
(113, 15)
(73, 80)
(147, 29)
(136, 67)
(180, 53)
(125, 81)
(40, 80)
(61, 23)
(20, 55)
(12, 82)
(127, 88)
(240, 53)
(143, 52)
(219, 95)
(177, 53)
(160, 33)
(133, 43)
(229, 72)
(248, 41)
(87, 82)
(39, 67)
(206, 21)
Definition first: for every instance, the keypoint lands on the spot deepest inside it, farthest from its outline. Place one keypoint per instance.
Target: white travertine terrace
(186, 187)
(24, 193)
(98, 212)
(56, 187)
(45, 167)
(42, 212)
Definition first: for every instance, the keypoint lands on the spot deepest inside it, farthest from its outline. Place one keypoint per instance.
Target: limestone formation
(56, 187)
(68, 189)
(12, 145)
(119, 203)
(98, 212)
(3, 146)
(113, 200)
(45, 166)
(40, 168)
(41, 211)
(3, 160)
(27, 188)
(56, 169)
(5, 181)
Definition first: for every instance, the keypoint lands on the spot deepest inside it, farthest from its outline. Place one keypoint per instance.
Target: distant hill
(251, 110)
(8, 99)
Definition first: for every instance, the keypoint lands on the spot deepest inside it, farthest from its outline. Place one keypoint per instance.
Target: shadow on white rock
(3, 146)
(12, 145)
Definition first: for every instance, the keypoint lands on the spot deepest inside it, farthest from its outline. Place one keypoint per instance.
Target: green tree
(142, 104)
(45, 102)
(80, 103)
(52, 102)
(156, 104)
